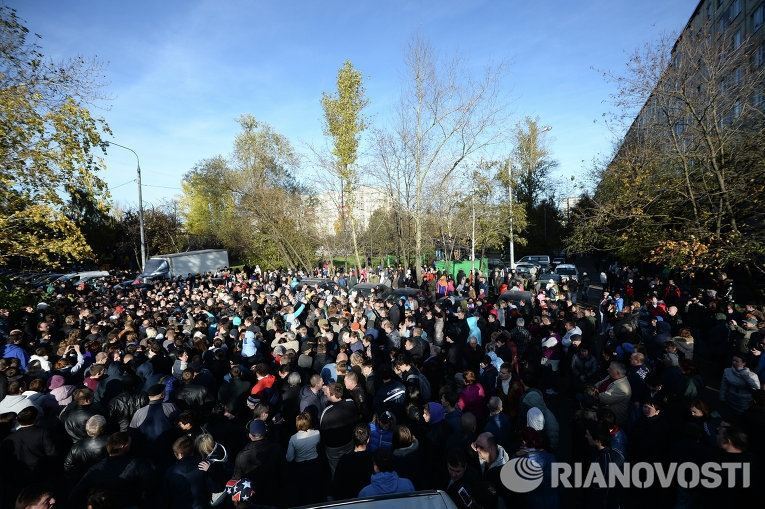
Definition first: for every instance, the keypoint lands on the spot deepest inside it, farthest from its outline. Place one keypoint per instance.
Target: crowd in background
(252, 388)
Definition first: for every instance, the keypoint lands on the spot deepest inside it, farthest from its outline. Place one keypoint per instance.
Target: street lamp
(140, 201)
(510, 197)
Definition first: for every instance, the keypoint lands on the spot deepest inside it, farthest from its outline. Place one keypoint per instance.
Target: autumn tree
(47, 142)
(685, 186)
(251, 203)
(344, 123)
(447, 116)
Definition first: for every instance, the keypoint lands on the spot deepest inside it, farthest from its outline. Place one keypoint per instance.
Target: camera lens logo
(521, 475)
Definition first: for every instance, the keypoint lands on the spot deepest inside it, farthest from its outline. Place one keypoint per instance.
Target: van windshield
(155, 265)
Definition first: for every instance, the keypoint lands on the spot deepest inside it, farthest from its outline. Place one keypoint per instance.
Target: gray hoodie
(534, 398)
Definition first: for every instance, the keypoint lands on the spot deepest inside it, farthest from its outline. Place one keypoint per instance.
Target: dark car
(396, 294)
(516, 297)
(430, 499)
(367, 289)
(320, 283)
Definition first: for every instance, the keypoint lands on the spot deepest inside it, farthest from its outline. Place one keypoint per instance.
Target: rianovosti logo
(524, 474)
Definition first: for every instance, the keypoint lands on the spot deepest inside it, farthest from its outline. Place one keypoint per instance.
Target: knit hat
(236, 321)
(257, 427)
(436, 411)
(535, 419)
(240, 490)
(252, 401)
(56, 381)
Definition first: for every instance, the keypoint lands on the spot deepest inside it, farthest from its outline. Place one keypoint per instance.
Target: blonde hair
(205, 444)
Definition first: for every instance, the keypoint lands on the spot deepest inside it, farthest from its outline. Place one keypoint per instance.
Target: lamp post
(140, 201)
(510, 199)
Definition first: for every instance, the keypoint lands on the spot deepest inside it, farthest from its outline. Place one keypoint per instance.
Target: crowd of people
(252, 388)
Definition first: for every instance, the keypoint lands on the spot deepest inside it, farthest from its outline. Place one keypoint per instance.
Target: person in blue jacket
(385, 481)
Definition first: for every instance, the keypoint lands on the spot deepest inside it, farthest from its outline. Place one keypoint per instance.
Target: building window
(719, 3)
(758, 101)
(738, 77)
(734, 9)
(709, 10)
(736, 110)
(759, 55)
(758, 17)
(722, 24)
(737, 39)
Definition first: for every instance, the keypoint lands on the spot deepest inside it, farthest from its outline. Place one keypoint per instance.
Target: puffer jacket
(83, 455)
(124, 405)
(736, 388)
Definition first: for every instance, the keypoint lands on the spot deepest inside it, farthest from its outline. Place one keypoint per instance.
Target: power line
(163, 187)
(123, 184)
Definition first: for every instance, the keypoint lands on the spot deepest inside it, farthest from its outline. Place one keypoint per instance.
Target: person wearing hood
(60, 390)
(385, 481)
(475, 331)
(534, 399)
(249, 345)
(407, 456)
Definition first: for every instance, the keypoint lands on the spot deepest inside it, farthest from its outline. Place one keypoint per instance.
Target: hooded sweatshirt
(386, 483)
(534, 398)
(249, 348)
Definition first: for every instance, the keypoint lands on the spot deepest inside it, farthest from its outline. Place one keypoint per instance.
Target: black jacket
(83, 455)
(124, 405)
(130, 479)
(28, 454)
(74, 418)
(233, 394)
(262, 462)
(195, 396)
(336, 423)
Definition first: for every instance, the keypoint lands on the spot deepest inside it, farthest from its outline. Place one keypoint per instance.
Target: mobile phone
(465, 496)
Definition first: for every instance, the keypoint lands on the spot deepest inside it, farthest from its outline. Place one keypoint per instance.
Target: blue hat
(257, 427)
(625, 348)
(236, 321)
(249, 335)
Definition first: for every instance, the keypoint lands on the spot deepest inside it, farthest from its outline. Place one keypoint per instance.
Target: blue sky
(179, 72)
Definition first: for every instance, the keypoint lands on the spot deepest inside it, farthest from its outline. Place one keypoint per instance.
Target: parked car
(76, 277)
(515, 297)
(558, 260)
(396, 294)
(319, 282)
(548, 276)
(526, 269)
(367, 289)
(567, 271)
(430, 499)
(543, 261)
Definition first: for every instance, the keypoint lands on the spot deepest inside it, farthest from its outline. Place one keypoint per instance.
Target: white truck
(182, 264)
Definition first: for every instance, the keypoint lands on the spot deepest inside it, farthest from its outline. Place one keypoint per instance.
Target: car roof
(566, 266)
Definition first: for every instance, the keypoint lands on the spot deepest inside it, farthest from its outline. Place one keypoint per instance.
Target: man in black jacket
(77, 413)
(355, 468)
(129, 478)
(88, 451)
(186, 486)
(263, 462)
(336, 425)
(358, 395)
(29, 453)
